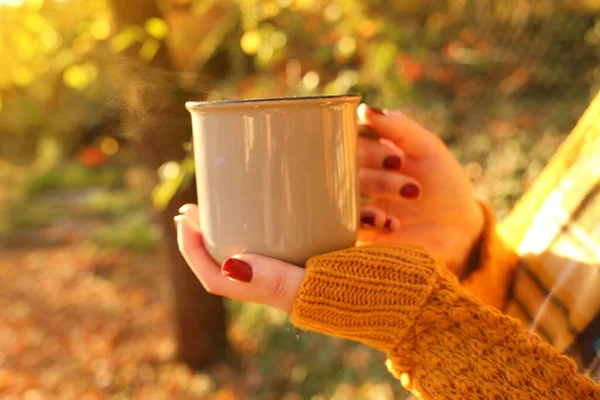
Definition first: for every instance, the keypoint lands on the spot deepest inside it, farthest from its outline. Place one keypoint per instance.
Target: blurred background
(95, 301)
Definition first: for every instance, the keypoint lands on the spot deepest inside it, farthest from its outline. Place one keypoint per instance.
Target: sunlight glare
(11, 3)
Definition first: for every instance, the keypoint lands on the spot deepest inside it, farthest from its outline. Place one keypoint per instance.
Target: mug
(277, 176)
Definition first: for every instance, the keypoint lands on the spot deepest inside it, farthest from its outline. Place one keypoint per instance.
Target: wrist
(469, 260)
(371, 294)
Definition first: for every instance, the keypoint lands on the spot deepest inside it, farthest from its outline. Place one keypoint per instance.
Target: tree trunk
(151, 108)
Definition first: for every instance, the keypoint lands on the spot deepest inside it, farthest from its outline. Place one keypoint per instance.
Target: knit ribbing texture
(442, 342)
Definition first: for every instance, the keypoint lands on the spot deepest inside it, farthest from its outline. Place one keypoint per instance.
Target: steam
(149, 105)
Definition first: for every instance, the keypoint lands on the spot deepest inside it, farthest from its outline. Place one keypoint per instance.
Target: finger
(375, 218)
(192, 213)
(375, 154)
(400, 129)
(257, 279)
(275, 282)
(192, 248)
(381, 183)
(366, 132)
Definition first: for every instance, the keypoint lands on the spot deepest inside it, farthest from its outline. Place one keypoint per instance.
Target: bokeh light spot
(332, 12)
(109, 146)
(169, 170)
(298, 374)
(346, 46)
(265, 52)
(304, 4)
(278, 40)
(311, 80)
(23, 77)
(270, 9)
(368, 28)
(35, 23)
(250, 42)
(12, 3)
(156, 28)
(100, 30)
(293, 71)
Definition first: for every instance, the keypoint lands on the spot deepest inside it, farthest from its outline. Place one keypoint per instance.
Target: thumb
(271, 282)
(403, 131)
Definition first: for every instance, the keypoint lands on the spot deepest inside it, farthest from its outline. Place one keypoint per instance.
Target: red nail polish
(367, 219)
(410, 191)
(388, 224)
(392, 162)
(376, 110)
(236, 269)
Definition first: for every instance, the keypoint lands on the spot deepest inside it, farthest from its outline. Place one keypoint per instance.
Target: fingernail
(367, 219)
(410, 191)
(236, 269)
(183, 209)
(177, 219)
(391, 162)
(388, 224)
(376, 110)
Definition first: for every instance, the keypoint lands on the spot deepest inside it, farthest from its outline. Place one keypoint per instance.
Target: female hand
(244, 277)
(420, 194)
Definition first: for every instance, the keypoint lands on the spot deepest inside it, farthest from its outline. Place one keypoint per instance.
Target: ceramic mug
(277, 177)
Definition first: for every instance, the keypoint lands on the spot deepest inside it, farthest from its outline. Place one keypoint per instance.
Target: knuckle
(381, 185)
(375, 182)
(277, 288)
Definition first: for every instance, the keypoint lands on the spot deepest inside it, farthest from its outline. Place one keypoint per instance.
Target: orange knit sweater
(442, 342)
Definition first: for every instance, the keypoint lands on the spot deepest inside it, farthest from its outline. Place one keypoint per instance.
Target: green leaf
(126, 38)
(23, 77)
(166, 189)
(25, 44)
(164, 192)
(80, 76)
(157, 28)
(149, 49)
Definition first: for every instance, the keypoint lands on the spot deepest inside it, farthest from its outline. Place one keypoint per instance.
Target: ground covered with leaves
(85, 310)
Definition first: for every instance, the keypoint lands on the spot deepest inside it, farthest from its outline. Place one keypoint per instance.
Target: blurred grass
(134, 231)
(94, 198)
(71, 176)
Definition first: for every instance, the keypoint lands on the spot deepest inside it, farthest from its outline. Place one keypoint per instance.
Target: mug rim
(194, 105)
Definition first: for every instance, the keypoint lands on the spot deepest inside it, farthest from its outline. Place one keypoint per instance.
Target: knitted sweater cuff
(441, 342)
(369, 294)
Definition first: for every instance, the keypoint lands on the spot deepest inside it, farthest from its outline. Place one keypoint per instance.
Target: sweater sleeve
(441, 342)
(495, 263)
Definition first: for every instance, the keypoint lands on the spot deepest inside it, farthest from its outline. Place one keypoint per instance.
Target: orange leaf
(412, 69)
(91, 157)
